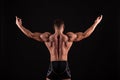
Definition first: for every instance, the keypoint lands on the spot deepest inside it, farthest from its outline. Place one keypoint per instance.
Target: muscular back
(58, 46)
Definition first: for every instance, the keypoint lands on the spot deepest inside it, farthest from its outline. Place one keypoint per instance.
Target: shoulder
(45, 36)
(69, 33)
(52, 37)
(71, 36)
(75, 36)
(46, 33)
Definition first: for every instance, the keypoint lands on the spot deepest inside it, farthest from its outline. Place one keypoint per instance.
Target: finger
(98, 17)
(20, 19)
(101, 16)
(16, 17)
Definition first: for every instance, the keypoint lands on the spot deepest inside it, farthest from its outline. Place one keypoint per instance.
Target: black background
(94, 58)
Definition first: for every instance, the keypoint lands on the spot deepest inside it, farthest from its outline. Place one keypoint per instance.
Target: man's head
(59, 25)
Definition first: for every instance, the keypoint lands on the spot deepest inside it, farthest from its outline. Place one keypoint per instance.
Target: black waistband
(58, 61)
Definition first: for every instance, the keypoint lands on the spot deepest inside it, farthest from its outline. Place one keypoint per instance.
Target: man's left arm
(89, 31)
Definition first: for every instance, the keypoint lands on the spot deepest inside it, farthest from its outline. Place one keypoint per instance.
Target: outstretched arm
(28, 33)
(89, 31)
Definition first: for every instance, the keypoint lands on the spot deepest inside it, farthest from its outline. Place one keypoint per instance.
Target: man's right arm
(36, 35)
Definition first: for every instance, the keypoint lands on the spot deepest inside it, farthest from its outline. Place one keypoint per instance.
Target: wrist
(96, 23)
(19, 25)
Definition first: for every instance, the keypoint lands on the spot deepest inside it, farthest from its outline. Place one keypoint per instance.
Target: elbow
(30, 35)
(85, 35)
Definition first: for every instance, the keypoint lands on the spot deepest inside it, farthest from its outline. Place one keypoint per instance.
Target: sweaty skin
(58, 43)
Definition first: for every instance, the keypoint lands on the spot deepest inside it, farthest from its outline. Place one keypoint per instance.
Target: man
(58, 45)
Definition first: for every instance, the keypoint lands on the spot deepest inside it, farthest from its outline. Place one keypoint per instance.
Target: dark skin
(58, 50)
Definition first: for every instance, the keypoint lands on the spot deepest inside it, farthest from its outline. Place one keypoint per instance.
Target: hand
(98, 19)
(18, 21)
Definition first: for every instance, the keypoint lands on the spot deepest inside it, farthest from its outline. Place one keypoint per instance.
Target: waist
(58, 58)
(60, 61)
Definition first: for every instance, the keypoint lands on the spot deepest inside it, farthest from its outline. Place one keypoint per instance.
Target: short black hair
(58, 22)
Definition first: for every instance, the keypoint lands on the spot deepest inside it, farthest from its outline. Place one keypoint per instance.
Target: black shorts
(58, 70)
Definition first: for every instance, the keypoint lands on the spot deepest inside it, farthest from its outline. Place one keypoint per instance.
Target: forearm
(27, 32)
(90, 30)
